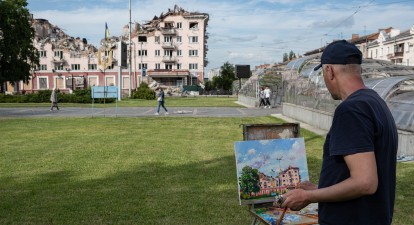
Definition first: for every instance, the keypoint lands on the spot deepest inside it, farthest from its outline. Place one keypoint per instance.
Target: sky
(246, 32)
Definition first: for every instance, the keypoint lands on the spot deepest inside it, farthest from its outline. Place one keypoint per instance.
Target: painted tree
(249, 182)
(285, 57)
(17, 53)
(292, 55)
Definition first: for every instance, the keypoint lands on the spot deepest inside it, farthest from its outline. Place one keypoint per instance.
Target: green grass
(152, 170)
(199, 101)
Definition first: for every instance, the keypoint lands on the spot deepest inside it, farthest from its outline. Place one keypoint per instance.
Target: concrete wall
(323, 120)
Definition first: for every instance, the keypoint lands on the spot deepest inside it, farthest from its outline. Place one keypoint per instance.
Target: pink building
(170, 50)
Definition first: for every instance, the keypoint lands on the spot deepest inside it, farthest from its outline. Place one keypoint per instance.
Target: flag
(106, 32)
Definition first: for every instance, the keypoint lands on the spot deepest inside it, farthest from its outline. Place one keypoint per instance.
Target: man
(267, 94)
(358, 175)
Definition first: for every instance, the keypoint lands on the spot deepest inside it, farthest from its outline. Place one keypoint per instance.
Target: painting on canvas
(268, 168)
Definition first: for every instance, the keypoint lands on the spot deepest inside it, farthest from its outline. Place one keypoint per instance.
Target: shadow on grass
(202, 192)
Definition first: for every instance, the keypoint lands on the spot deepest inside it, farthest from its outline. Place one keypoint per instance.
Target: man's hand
(295, 199)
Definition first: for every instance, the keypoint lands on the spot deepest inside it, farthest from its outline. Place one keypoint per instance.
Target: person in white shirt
(267, 93)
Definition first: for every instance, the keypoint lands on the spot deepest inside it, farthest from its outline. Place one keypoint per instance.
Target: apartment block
(169, 50)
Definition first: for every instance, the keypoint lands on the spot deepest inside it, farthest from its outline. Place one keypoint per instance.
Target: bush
(78, 96)
(143, 92)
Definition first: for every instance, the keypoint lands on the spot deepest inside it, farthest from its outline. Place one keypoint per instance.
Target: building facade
(169, 50)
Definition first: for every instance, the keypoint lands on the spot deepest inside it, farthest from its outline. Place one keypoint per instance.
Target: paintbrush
(281, 216)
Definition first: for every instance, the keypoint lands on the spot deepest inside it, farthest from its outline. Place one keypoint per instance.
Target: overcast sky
(240, 31)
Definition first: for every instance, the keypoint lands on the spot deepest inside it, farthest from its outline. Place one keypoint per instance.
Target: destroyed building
(170, 50)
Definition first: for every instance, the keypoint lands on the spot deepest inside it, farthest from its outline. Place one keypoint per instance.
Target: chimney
(355, 36)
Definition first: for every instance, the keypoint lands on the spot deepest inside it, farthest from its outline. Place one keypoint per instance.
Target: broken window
(157, 66)
(142, 52)
(92, 67)
(168, 66)
(179, 39)
(142, 65)
(43, 67)
(169, 25)
(157, 53)
(42, 54)
(179, 66)
(193, 52)
(43, 83)
(75, 66)
(193, 25)
(157, 39)
(193, 66)
(59, 67)
(179, 25)
(142, 38)
(167, 39)
(59, 54)
(179, 53)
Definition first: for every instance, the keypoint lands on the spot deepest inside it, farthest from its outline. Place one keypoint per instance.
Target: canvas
(268, 168)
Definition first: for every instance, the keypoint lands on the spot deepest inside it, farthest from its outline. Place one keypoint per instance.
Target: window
(142, 52)
(59, 67)
(59, 54)
(194, 25)
(179, 39)
(59, 83)
(167, 52)
(179, 53)
(75, 66)
(193, 52)
(110, 81)
(142, 38)
(157, 53)
(92, 81)
(157, 39)
(168, 66)
(92, 67)
(193, 66)
(157, 66)
(42, 67)
(179, 25)
(42, 54)
(167, 39)
(42, 83)
(142, 65)
(179, 66)
(169, 25)
(193, 39)
(125, 82)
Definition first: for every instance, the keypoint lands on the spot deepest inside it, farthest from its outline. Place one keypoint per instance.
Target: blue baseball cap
(340, 52)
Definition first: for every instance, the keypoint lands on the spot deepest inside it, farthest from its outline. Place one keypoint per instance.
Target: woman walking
(54, 100)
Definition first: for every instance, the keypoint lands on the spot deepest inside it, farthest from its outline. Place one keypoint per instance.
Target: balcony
(168, 45)
(169, 59)
(395, 55)
(168, 73)
(168, 31)
(58, 60)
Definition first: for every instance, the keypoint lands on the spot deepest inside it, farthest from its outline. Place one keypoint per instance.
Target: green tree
(292, 55)
(208, 85)
(226, 78)
(285, 57)
(249, 182)
(17, 53)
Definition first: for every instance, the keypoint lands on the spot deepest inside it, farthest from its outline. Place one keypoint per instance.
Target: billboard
(242, 71)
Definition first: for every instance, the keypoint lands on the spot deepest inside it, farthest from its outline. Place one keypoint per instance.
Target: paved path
(137, 112)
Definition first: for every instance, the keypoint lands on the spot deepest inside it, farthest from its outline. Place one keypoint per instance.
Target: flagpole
(130, 53)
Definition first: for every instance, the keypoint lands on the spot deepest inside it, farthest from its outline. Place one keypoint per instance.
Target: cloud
(251, 152)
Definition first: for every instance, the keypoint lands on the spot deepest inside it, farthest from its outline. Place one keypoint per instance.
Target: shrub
(143, 92)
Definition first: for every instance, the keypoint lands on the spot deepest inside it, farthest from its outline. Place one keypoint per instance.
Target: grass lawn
(152, 170)
(199, 101)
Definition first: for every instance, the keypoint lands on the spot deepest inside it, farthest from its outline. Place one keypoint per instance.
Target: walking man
(160, 101)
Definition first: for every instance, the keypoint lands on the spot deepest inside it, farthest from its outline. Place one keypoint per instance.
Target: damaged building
(168, 51)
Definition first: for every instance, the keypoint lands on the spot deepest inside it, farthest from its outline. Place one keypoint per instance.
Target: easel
(264, 132)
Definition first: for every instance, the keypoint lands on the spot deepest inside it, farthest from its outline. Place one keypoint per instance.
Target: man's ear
(329, 71)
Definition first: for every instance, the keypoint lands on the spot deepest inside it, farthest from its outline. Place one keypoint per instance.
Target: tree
(226, 78)
(285, 57)
(17, 53)
(292, 55)
(208, 85)
(249, 182)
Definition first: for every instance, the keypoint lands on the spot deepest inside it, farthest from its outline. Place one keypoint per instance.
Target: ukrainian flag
(106, 32)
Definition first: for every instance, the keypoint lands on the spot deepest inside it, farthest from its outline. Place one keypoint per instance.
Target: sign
(242, 71)
(104, 92)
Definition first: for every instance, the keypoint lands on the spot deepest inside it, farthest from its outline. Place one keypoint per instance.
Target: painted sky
(264, 154)
(241, 31)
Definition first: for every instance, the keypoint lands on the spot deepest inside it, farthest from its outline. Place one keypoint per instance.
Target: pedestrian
(358, 175)
(267, 93)
(261, 98)
(160, 100)
(54, 100)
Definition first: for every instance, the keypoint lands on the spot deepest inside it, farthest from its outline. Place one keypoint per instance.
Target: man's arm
(363, 180)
